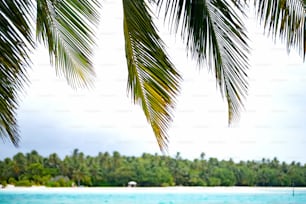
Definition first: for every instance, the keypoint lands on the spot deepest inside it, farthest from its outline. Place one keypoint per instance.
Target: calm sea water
(153, 196)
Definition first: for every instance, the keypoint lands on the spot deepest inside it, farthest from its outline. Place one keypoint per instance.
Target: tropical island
(115, 169)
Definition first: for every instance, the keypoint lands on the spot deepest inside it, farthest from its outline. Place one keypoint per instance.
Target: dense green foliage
(148, 170)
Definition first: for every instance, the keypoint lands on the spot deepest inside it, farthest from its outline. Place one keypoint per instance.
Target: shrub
(26, 183)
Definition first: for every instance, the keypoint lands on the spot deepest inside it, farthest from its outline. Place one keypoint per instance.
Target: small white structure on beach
(132, 184)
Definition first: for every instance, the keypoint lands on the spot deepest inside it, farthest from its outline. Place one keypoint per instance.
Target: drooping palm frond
(15, 45)
(284, 19)
(152, 79)
(66, 27)
(215, 36)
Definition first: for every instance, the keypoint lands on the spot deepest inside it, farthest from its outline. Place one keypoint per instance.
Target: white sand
(152, 189)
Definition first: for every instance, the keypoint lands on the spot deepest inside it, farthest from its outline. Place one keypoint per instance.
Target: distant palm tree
(214, 34)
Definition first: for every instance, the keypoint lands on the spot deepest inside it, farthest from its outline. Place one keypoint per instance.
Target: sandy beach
(178, 189)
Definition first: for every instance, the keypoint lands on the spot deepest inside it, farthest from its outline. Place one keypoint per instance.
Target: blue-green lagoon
(166, 195)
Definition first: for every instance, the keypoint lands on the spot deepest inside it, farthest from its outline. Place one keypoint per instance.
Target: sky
(53, 117)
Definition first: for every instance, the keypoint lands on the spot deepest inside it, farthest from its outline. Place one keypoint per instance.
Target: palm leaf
(284, 19)
(15, 45)
(152, 79)
(66, 27)
(215, 36)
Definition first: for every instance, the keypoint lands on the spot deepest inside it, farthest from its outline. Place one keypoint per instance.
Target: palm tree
(213, 31)
(65, 27)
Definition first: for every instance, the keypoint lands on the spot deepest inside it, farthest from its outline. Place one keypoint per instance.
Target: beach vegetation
(24, 183)
(147, 170)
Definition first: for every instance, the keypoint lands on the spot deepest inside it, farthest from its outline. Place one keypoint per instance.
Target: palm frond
(215, 36)
(67, 28)
(15, 45)
(284, 19)
(152, 79)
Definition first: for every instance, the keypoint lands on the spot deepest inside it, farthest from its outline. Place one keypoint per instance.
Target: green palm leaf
(152, 79)
(15, 45)
(66, 27)
(215, 36)
(285, 19)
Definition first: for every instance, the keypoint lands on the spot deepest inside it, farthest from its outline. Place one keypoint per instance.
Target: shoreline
(174, 189)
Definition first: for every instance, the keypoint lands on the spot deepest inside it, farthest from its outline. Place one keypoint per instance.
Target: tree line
(115, 169)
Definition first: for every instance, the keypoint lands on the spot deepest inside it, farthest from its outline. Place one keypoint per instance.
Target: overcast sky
(55, 118)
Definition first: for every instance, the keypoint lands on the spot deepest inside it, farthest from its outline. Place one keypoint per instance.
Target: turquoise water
(97, 196)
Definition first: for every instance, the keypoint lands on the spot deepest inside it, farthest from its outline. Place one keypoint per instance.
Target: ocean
(171, 195)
